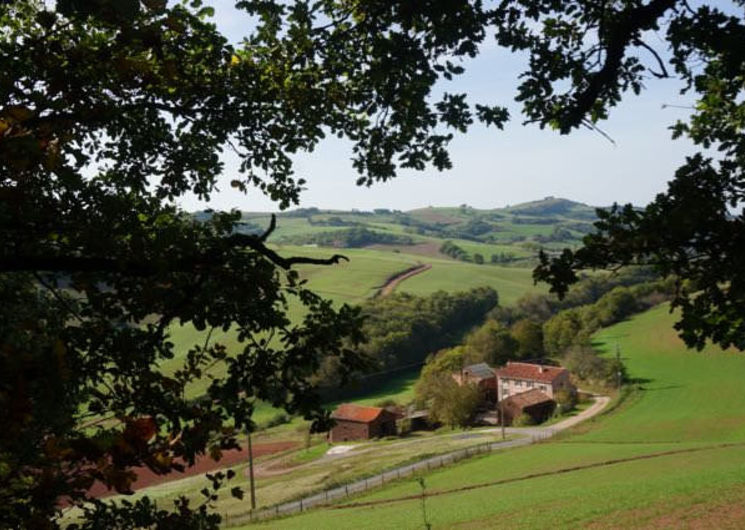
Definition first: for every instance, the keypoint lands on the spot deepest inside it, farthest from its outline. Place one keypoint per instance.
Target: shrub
(523, 420)
(278, 419)
(566, 401)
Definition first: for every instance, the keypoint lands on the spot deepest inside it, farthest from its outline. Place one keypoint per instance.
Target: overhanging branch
(201, 262)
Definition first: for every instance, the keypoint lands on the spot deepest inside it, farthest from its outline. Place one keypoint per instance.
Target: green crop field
(671, 453)
(510, 282)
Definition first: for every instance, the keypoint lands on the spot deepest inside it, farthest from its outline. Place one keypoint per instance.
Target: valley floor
(671, 454)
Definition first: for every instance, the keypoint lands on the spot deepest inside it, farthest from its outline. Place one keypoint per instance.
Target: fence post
(327, 495)
(382, 479)
(276, 509)
(398, 472)
(301, 505)
(346, 489)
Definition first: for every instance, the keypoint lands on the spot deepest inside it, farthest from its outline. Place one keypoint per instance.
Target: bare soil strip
(204, 464)
(392, 282)
(538, 475)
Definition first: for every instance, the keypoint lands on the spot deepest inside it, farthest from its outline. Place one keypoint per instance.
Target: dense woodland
(401, 330)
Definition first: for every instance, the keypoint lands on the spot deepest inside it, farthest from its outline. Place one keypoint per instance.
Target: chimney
(541, 369)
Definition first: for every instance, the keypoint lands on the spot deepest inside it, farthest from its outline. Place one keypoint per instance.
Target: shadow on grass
(370, 387)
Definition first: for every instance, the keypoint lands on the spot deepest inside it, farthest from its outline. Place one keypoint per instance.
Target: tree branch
(51, 263)
(620, 35)
(662, 74)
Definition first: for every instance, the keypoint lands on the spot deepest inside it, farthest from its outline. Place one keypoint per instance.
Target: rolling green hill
(395, 241)
(672, 453)
(549, 223)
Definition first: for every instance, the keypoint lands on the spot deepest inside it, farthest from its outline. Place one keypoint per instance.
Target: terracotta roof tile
(529, 398)
(358, 413)
(530, 372)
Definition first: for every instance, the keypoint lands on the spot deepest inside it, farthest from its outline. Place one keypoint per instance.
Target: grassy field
(510, 282)
(359, 279)
(672, 453)
(304, 471)
(398, 387)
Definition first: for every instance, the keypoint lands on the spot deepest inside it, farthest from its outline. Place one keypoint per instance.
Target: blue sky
(495, 168)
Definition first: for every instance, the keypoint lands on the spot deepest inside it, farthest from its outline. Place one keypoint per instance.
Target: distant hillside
(511, 235)
(554, 206)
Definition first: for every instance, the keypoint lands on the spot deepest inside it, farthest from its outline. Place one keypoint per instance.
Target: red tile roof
(358, 413)
(528, 399)
(530, 372)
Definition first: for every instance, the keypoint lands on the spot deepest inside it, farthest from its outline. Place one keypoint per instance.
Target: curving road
(530, 435)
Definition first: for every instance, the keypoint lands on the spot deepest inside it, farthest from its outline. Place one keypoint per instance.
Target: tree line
(354, 237)
(540, 328)
(403, 329)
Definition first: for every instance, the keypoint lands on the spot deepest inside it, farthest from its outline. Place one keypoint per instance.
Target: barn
(356, 422)
(534, 403)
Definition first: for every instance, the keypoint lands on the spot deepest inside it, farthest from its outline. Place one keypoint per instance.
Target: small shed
(357, 422)
(534, 403)
(418, 420)
(483, 376)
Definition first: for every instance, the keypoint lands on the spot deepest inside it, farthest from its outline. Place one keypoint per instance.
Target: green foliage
(403, 329)
(529, 336)
(688, 231)
(350, 238)
(280, 418)
(450, 403)
(566, 401)
(454, 251)
(523, 420)
(491, 343)
(584, 363)
(574, 326)
(563, 330)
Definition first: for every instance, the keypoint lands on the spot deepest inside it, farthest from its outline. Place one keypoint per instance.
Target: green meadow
(359, 279)
(510, 282)
(671, 452)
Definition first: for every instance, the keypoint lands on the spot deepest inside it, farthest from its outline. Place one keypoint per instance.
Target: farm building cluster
(516, 389)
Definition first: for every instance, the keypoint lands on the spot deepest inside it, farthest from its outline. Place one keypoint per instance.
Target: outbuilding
(482, 375)
(357, 422)
(534, 403)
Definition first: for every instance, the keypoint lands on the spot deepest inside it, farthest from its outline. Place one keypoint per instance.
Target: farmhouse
(355, 422)
(534, 403)
(481, 375)
(516, 378)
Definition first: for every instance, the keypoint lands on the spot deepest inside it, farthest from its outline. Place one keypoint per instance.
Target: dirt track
(204, 464)
(393, 282)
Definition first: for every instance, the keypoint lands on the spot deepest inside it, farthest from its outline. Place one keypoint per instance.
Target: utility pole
(251, 472)
(501, 418)
(618, 366)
